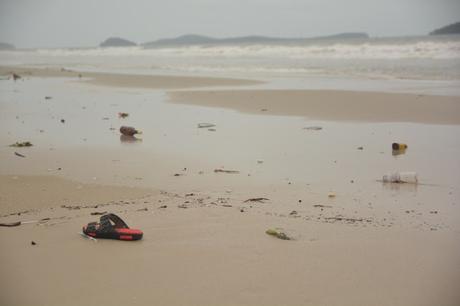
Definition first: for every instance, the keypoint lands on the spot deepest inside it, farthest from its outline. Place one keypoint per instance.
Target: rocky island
(453, 28)
(117, 42)
(5, 46)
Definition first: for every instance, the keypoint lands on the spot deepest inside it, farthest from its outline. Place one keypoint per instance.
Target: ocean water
(427, 63)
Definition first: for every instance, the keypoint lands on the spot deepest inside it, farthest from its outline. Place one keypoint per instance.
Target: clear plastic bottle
(401, 177)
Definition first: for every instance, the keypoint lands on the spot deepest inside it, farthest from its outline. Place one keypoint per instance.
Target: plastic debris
(398, 146)
(122, 115)
(278, 234)
(401, 177)
(129, 131)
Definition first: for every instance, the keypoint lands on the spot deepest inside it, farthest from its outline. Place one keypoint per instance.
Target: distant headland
(453, 28)
(117, 42)
(5, 46)
(193, 39)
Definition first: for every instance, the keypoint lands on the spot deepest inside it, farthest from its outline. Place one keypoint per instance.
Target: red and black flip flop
(111, 226)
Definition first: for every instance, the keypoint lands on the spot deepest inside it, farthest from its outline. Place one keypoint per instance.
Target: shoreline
(128, 80)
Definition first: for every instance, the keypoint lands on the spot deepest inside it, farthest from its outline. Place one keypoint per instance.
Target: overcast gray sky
(66, 23)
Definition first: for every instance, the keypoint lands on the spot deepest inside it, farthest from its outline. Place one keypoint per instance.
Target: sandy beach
(355, 240)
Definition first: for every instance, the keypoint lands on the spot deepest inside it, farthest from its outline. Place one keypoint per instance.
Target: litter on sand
(110, 226)
(21, 144)
(313, 128)
(129, 131)
(122, 115)
(401, 177)
(19, 154)
(205, 125)
(398, 146)
(260, 200)
(226, 171)
(278, 234)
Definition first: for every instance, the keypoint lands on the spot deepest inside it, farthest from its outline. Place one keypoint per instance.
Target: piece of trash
(110, 226)
(360, 148)
(313, 128)
(226, 171)
(163, 206)
(278, 234)
(142, 209)
(322, 206)
(331, 195)
(122, 115)
(178, 174)
(33, 243)
(205, 125)
(401, 177)
(98, 213)
(129, 131)
(260, 200)
(293, 213)
(398, 146)
(62, 120)
(19, 154)
(21, 144)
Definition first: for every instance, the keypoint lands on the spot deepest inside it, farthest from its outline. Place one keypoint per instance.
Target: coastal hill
(5, 46)
(192, 39)
(453, 28)
(117, 42)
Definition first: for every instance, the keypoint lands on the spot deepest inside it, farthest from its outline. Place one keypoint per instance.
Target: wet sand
(126, 80)
(331, 105)
(368, 244)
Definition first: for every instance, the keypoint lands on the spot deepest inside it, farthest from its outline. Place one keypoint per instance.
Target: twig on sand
(226, 171)
(260, 200)
(19, 154)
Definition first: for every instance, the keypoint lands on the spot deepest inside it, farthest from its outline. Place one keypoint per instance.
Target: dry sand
(331, 105)
(214, 251)
(203, 244)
